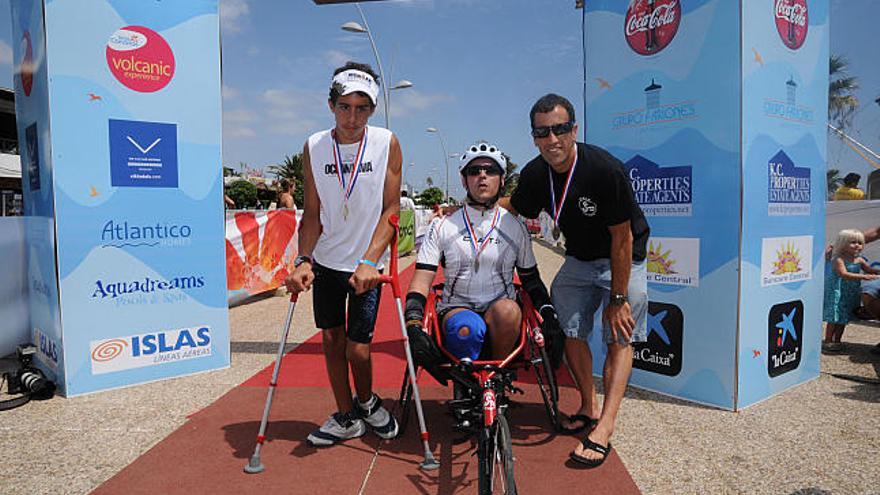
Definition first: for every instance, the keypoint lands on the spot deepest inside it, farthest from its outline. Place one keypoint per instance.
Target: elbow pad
(415, 307)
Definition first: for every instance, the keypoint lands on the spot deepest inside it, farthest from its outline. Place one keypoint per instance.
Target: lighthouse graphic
(790, 92)
(652, 95)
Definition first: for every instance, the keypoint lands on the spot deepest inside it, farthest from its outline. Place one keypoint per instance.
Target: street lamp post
(434, 130)
(354, 27)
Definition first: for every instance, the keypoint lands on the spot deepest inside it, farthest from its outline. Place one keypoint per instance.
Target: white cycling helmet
(482, 149)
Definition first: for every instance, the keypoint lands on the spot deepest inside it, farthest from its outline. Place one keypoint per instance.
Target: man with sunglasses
(351, 188)
(586, 192)
(479, 245)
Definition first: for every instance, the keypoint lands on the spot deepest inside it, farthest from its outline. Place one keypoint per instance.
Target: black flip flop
(588, 423)
(595, 447)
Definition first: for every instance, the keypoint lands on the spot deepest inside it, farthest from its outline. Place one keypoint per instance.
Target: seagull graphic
(758, 57)
(655, 324)
(93, 192)
(787, 325)
(603, 83)
(94, 97)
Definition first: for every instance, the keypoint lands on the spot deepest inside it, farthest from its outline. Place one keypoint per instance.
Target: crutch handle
(293, 297)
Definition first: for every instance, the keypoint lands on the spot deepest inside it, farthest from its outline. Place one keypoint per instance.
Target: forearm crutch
(254, 466)
(393, 278)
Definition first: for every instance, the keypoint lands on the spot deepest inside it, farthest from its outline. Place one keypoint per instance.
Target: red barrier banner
(260, 248)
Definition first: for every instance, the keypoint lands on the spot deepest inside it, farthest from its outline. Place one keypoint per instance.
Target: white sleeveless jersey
(476, 281)
(345, 239)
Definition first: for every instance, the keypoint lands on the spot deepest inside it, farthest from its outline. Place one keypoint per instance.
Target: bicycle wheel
(495, 458)
(546, 379)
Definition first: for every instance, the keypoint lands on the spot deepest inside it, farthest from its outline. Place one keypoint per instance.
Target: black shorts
(329, 299)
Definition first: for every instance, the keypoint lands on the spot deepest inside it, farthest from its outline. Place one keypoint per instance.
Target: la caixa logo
(662, 352)
(785, 325)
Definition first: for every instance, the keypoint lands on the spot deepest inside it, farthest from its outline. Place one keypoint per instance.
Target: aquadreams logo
(788, 187)
(119, 234)
(149, 349)
(655, 110)
(140, 59)
(146, 290)
(789, 109)
(650, 25)
(661, 353)
(792, 21)
(786, 259)
(785, 324)
(660, 191)
(674, 261)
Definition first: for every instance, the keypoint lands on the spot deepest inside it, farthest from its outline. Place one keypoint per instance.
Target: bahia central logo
(661, 353)
(785, 324)
(140, 59)
(650, 25)
(792, 21)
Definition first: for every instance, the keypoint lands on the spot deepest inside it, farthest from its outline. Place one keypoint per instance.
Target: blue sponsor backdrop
(675, 116)
(136, 187)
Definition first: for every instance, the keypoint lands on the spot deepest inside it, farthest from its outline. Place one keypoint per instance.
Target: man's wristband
(365, 261)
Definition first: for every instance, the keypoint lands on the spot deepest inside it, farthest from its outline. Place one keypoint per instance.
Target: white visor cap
(353, 80)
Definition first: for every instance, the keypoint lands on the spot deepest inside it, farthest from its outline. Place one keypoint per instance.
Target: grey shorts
(583, 287)
(872, 288)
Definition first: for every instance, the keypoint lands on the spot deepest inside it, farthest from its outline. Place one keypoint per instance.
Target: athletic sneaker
(338, 427)
(377, 417)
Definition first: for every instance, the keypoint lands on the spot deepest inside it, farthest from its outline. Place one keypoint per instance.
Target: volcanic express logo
(791, 21)
(785, 324)
(140, 59)
(661, 353)
(650, 25)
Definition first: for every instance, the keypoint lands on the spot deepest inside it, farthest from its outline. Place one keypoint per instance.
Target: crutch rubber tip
(429, 464)
(254, 466)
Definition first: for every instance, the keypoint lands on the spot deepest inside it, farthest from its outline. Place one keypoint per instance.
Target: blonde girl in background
(842, 285)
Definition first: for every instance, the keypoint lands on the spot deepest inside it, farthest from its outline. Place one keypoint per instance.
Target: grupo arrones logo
(661, 353)
(140, 59)
(650, 25)
(792, 21)
(785, 325)
(149, 349)
(27, 63)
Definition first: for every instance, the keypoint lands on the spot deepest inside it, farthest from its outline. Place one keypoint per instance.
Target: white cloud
(292, 113)
(236, 123)
(336, 58)
(409, 101)
(232, 14)
(230, 93)
(5, 54)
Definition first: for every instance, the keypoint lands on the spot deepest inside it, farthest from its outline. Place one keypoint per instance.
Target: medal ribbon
(355, 167)
(557, 207)
(472, 233)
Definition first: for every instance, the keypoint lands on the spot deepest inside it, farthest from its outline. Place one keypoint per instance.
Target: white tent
(10, 166)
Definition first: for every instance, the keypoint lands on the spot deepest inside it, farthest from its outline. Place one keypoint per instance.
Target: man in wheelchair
(478, 246)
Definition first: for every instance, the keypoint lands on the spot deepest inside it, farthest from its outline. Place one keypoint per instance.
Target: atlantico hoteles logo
(650, 25)
(785, 325)
(792, 21)
(140, 59)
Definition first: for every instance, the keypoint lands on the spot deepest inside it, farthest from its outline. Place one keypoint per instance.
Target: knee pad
(465, 333)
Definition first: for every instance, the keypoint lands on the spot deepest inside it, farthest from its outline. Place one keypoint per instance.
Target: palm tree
(842, 102)
(834, 180)
(511, 177)
(291, 170)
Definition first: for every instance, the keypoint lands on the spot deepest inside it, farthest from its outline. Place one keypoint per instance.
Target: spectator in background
(850, 188)
(406, 203)
(285, 195)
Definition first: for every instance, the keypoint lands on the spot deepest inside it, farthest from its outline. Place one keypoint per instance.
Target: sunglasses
(475, 170)
(556, 129)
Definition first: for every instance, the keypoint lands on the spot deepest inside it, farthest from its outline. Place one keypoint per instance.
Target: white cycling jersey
(477, 273)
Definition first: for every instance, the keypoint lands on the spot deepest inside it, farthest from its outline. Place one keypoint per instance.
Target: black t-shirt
(599, 196)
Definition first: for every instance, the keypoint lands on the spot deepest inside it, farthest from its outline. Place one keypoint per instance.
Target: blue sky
(476, 66)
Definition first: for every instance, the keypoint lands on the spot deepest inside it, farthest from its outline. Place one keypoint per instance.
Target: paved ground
(820, 437)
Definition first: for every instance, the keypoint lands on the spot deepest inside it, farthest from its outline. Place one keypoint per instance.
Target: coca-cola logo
(650, 25)
(792, 21)
(26, 71)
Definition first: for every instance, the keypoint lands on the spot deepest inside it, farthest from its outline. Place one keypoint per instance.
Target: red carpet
(208, 453)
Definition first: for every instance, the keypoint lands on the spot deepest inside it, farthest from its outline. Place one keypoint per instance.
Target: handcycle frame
(482, 388)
